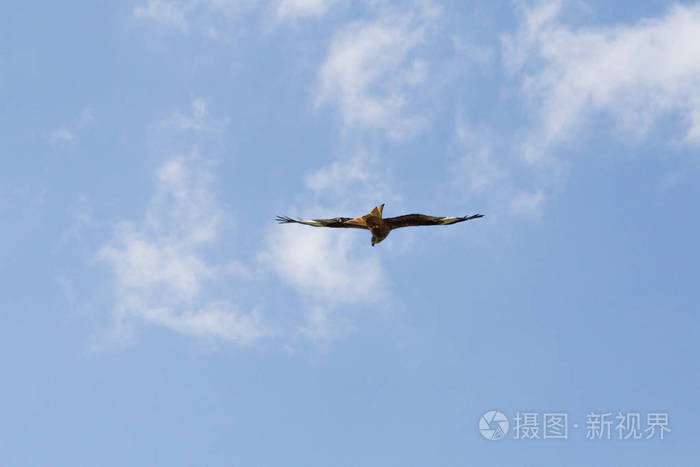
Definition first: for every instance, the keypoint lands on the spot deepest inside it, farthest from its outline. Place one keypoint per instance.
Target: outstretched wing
(410, 220)
(337, 222)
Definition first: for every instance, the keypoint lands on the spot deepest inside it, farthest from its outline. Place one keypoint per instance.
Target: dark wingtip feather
(284, 219)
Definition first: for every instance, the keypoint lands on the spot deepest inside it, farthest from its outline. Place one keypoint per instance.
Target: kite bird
(375, 223)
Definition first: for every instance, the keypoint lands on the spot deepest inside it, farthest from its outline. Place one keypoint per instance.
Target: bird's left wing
(410, 220)
(336, 222)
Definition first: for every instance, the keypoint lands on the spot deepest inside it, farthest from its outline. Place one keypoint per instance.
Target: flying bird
(376, 224)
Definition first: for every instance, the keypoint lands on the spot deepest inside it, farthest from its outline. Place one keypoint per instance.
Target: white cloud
(527, 203)
(370, 68)
(328, 268)
(326, 264)
(184, 15)
(213, 320)
(290, 10)
(340, 175)
(322, 325)
(163, 275)
(86, 118)
(198, 121)
(353, 180)
(159, 266)
(635, 73)
(61, 135)
(70, 132)
(167, 13)
(517, 47)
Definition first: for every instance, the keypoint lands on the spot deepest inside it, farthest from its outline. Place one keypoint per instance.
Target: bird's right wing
(410, 220)
(336, 222)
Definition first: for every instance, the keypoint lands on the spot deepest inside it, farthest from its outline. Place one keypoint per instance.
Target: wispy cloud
(69, 132)
(61, 135)
(634, 73)
(527, 203)
(164, 275)
(370, 68)
(323, 268)
(198, 121)
(357, 178)
(328, 269)
(165, 12)
(184, 16)
(160, 268)
(291, 10)
(340, 175)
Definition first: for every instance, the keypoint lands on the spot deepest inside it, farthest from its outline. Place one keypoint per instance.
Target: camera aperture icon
(493, 425)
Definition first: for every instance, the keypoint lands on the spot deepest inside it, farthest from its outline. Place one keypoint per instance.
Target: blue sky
(153, 313)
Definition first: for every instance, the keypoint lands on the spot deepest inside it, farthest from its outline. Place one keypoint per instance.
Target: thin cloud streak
(637, 74)
(161, 273)
(370, 69)
(293, 10)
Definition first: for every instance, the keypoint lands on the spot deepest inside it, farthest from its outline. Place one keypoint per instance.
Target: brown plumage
(374, 222)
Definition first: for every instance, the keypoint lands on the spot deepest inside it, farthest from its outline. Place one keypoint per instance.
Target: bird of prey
(376, 224)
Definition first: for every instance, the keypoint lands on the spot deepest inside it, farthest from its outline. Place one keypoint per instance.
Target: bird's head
(375, 240)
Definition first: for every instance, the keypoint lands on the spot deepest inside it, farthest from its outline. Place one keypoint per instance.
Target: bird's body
(379, 226)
